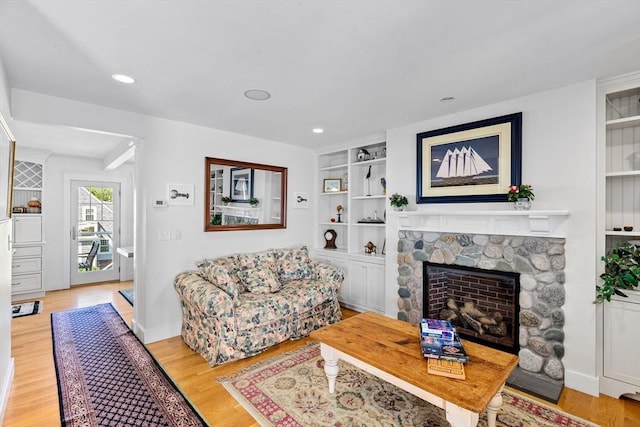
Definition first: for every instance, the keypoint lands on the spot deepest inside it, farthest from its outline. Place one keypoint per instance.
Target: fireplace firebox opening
(481, 304)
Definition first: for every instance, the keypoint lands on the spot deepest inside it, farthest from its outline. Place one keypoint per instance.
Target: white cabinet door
(357, 294)
(27, 229)
(622, 340)
(375, 287)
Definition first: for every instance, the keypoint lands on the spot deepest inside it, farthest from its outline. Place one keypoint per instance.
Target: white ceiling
(354, 68)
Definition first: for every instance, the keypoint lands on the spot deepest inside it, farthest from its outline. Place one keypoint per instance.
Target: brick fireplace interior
(482, 305)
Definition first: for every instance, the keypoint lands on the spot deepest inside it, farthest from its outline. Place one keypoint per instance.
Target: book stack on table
(442, 347)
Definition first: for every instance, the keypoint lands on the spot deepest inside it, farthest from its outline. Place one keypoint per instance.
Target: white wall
(6, 361)
(174, 153)
(56, 207)
(559, 160)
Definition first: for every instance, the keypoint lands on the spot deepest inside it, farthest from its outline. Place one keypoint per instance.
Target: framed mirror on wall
(244, 196)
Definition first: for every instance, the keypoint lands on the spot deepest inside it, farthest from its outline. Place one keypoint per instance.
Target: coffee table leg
(330, 365)
(493, 407)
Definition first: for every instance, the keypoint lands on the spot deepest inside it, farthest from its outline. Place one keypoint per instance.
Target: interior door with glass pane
(95, 231)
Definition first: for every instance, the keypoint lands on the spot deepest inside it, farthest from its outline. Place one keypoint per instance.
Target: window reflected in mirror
(244, 196)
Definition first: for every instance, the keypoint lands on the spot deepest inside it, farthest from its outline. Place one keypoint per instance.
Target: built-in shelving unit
(363, 202)
(619, 202)
(27, 279)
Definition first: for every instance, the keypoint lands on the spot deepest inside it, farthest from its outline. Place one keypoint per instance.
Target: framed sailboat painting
(470, 163)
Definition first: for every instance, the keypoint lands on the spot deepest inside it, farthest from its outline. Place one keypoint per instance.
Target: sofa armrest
(327, 273)
(203, 295)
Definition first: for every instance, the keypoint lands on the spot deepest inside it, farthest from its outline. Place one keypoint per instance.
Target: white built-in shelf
(622, 174)
(333, 193)
(368, 224)
(334, 223)
(549, 223)
(368, 197)
(622, 233)
(626, 122)
(377, 258)
(334, 167)
(370, 162)
(338, 250)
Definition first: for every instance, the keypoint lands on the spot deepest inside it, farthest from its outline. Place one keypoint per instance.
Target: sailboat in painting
(461, 167)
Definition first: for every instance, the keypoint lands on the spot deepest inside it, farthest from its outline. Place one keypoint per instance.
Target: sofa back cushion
(264, 259)
(221, 277)
(259, 280)
(293, 264)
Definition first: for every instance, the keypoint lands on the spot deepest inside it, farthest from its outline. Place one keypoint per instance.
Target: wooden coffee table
(390, 349)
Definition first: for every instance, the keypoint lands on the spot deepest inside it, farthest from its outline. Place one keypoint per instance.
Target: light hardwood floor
(33, 400)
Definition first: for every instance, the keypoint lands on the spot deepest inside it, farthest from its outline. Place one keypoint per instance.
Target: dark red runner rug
(106, 377)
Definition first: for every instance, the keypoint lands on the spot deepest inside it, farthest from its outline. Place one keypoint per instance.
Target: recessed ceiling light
(318, 130)
(257, 94)
(447, 99)
(123, 78)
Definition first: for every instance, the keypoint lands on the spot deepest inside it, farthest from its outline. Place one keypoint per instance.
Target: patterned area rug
(26, 308)
(291, 390)
(106, 377)
(127, 294)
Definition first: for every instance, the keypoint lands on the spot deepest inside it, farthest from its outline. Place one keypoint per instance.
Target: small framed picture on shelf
(331, 185)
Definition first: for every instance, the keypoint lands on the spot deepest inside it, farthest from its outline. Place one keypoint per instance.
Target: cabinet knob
(16, 284)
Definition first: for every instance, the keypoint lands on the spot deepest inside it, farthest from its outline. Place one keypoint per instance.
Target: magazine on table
(437, 347)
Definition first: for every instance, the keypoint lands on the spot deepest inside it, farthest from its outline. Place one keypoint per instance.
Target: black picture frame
(487, 161)
(241, 185)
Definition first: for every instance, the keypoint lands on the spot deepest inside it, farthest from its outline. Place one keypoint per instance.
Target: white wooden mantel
(539, 223)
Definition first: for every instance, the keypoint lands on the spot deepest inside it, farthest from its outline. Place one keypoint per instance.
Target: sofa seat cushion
(294, 298)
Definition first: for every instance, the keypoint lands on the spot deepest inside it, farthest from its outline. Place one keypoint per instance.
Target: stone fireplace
(538, 262)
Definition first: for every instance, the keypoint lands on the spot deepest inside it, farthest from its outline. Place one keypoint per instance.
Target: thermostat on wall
(160, 204)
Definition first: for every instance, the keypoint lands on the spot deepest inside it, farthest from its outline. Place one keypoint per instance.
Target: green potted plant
(522, 191)
(254, 201)
(521, 195)
(621, 272)
(225, 200)
(398, 201)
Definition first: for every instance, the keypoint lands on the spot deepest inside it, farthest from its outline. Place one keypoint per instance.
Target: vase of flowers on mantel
(521, 196)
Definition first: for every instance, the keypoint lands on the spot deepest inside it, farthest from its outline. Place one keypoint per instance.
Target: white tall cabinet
(362, 219)
(27, 279)
(619, 199)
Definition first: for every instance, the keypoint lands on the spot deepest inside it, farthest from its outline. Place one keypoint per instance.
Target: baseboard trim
(581, 382)
(6, 388)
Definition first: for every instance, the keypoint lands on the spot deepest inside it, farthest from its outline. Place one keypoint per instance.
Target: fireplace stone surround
(539, 260)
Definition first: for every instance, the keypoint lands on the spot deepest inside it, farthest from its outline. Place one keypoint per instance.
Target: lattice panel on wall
(27, 175)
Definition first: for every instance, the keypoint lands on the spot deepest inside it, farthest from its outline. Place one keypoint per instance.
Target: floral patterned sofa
(239, 305)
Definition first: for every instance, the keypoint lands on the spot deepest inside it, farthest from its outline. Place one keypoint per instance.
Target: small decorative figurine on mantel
(339, 210)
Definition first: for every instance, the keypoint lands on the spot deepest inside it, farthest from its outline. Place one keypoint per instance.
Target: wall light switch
(164, 234)
(177, 234)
